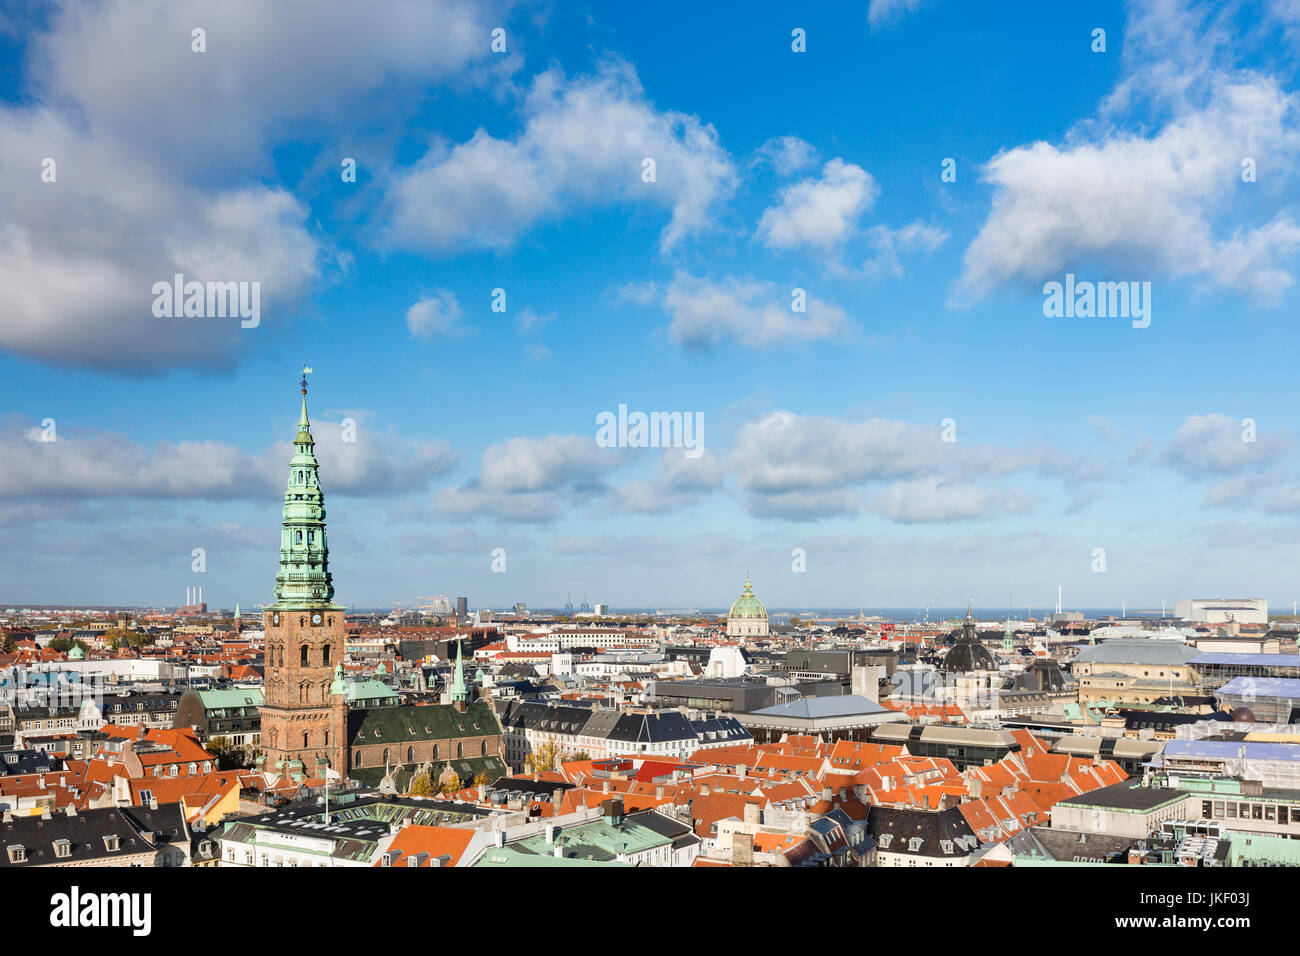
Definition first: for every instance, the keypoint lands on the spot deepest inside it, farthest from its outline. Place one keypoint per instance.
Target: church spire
(459, 692)
(304, 579)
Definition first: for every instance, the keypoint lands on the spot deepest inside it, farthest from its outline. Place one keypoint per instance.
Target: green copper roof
(458, 689)
(748, 606)
(304, 579)
(339, 685)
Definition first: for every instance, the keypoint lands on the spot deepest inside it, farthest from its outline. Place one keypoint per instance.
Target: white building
(1222, 610)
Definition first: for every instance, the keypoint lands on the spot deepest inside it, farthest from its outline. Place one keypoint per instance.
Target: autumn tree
(542, 759)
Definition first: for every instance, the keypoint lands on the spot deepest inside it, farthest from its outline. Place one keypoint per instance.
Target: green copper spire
(458, 689)
(339, 686)
(304, 579)
(236, 610)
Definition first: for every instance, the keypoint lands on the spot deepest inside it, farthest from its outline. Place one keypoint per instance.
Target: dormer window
(62, 849)
(111, 843)
(17, 853)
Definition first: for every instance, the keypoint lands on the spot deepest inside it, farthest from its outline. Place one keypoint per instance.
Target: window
(385, 756)
(304, 740)
(62, 849)
(435, 751)
(303, 655)
(460, 750)
(356, 759)
(325, 651)
(482, 749)
(410, 754)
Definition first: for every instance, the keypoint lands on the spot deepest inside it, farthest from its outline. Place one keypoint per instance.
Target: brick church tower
(304, 716)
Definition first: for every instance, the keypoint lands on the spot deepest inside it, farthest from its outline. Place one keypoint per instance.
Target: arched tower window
(325, 654)
(304, 740)
(304, 655)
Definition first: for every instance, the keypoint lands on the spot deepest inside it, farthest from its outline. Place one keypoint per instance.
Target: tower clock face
(316, 619)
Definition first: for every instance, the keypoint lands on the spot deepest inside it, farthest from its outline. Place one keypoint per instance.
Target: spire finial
(306, 370)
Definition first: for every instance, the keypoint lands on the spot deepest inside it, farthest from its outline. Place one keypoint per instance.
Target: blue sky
(775, 170)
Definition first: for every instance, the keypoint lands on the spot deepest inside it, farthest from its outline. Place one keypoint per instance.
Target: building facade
(304, 716)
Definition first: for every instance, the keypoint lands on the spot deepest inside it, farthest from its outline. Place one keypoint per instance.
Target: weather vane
(306, 370)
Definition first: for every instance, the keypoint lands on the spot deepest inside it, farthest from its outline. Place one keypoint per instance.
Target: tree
(581, 755)
(542, 759)
(451, 784)
(481, 778)
(422, 785)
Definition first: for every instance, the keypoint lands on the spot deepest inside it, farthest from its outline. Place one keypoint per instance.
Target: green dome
(747, 606)
(76, 654)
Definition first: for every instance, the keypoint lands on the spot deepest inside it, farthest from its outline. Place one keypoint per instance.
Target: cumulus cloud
(805, 467)
(533, 480)
(786, 155)
(436, 316)
(80, 255)
(160, 154)
(1148, 200)
(546, 464)
(583, 143)
(1216, 444)
(105, 465)
(269, 67)
(819, 212)
(678, 483)
(750, 313)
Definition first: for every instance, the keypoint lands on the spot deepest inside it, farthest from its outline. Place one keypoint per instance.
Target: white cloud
(786, 155)
(582, 144)
(819, 212)
(436, 316)
(161, 152)
(890, 245)
(531, 321)
(747, 312)
(533, 480)
(129, 67)
(107, 465)
(79, 256)
(785, 452)
(933, 500)
(1213, 444)
(1146, 206)
(882, 12)
(546, 464)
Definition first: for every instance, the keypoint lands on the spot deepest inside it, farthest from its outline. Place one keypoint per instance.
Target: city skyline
(448, 430)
